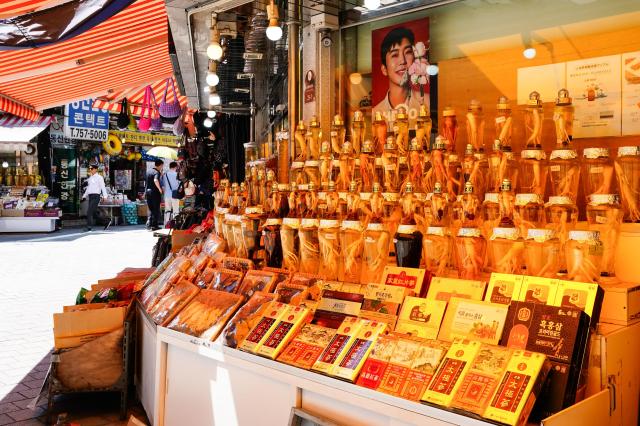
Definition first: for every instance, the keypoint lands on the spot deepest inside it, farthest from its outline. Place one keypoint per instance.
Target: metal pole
(293, 28)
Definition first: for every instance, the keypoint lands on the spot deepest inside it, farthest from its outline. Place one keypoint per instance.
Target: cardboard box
(33, 213)
(339, 343)
(287, 327)
(538, 290)
(448, 376)
(350, 363)
(264, 326)
(424, 366)
(397, 371)
(12, 213)
(621, 304)
(421, 317)
(503, 288)
(410, 278)
(518, 389)
(472, 319)
(71, 329)
(585, 296)
(180, 239)
(375, 366)
(442, 288)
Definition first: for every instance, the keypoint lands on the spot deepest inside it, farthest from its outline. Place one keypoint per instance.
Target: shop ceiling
(190, 22)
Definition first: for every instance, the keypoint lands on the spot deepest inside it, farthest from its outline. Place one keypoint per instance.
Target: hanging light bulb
(207, 123)
(529, 52)
(212, 76)
(214, 51)
(372, 4)
(432, 69)
(212, 79)
(355, 78)
(211, 114)
(5, 164)
(214, 99)
(274, 32)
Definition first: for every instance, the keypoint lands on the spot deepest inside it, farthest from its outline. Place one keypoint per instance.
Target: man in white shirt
(95, 189)
(397, 56)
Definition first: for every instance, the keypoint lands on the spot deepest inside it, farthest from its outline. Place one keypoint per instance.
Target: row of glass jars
(564, 170)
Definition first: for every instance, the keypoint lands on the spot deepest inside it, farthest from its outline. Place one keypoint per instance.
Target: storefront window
(482, 51)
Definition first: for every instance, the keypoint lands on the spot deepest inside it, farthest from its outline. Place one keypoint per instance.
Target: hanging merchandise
(123, 120)
(156, 121)
(144, 124)
(113, 145)
(170, 109)
(190, 125)
(178, 125)
(132, 126)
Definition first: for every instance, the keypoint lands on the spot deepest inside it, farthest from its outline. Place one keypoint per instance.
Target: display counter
(27, 224)
(220, 385)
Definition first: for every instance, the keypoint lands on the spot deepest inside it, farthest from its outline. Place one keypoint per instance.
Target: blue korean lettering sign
(83, 121)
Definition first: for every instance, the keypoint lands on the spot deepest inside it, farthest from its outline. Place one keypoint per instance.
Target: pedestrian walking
(153, 193)
(170, 185)
(93, 192)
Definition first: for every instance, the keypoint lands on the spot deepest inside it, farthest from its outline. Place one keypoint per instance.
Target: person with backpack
(153, 194)
(173, 192)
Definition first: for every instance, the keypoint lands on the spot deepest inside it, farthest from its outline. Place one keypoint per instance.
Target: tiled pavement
(38, 275)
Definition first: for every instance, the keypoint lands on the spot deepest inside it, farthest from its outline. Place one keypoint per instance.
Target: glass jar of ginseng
(597, 172)
(542, 253)
(584, 255)
(627, 167)
(309, 246)
(375, 252)
(471, 249)
(437, 246)
(604, 214)
(508, 250)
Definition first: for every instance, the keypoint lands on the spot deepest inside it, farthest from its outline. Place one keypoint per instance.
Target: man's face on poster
(398, 60)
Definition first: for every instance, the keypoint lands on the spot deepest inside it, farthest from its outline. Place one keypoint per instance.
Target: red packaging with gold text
(409, 278)
(518, 389)
(448, 377)
(263, 327)
(339, 343)
(424, 365)
(352, 360)
(287, 327)
(395, 376)
(375, 366)
(482, 379)
(307, 346)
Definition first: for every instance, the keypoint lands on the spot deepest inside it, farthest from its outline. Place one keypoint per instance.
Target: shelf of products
(28, 209)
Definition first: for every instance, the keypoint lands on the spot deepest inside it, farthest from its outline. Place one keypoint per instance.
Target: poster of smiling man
(399, 59)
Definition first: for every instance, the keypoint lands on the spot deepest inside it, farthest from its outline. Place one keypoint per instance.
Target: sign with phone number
(83, 121)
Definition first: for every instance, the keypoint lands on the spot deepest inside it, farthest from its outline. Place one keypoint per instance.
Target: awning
(128, 50)
(135, 97)
(16, 108)
(18, 130)
(11, 8)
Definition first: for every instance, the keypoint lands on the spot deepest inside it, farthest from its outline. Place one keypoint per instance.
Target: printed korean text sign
(83, 121)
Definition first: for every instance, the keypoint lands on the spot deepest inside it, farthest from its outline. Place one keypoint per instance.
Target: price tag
(501, 119)
(597, 169)
(555, 168)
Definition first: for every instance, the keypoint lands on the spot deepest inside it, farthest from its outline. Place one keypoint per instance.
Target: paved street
(38, 275)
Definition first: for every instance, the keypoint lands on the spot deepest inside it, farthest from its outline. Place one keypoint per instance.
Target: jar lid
(563, 154)
(329, 223)
(376, 188)
(503, 103)
(402, 160)
(365, 196)
(297, 165)
(302, 187)
(401, 114)
(533, 154)
(474, 106)
(448, 111)
(424, 112)
(353, 225)
(480, 156)
(311, 163)
(468, 187)
(440, 143)
(452, 158)
(524, 199)
(338, 121)
(353, 186)
(588, 236)
(469, 232)
(593, 153)
(358, 116)
(310, 223)
(505, 233)
(420, 196)
(301, 126)
(374, 226)
(283, 187)
(628, 151)
(391, 196)
(378, 118)
(292, 222)
(491, 197)
(254, 210)
(534, 99)
(378, 161)
(314, 122)
(438, 230)
(273, 222)
(437, 188)
(540, 235)
(390, 144)
(407, 229)
(325, 147)
(602, 199)
(506, 185)
(222, 210)
(414, 146)
(367, 147)
(563, 97)
(560, 200)
(468, 150)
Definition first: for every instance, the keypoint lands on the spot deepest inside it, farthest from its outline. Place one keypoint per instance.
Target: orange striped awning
(111, 102)
(11, 8)
(127, 50)
(16, 108)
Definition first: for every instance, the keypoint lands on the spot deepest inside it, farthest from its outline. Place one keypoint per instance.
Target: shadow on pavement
(72, 234)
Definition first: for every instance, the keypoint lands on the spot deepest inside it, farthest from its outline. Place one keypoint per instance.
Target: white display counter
(27, 224)
(205, 383)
